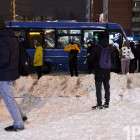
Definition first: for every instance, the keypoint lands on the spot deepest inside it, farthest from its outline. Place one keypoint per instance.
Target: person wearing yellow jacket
(73, 50)
(38, 60)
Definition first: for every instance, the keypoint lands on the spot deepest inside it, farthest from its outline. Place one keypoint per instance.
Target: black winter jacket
(9, 55)
(100, 74)
(137, 53)
(89, 49)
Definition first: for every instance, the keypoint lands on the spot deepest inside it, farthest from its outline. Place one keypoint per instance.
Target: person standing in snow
(38, 59)
(9, 59)
(125, 57)
(133, 62)
(73, 51)
(89, 49)
(138, 54)
(101, 75)
(115, 60)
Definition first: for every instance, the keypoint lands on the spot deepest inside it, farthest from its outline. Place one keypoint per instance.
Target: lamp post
(90, 11)
(13, 10)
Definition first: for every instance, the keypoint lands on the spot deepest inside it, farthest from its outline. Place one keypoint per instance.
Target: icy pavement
(59, 108)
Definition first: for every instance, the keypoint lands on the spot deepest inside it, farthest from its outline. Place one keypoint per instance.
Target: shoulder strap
(100, 46)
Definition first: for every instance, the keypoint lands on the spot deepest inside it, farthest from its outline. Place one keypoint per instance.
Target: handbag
(132, 55)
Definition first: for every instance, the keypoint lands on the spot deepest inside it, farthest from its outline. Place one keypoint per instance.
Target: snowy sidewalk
(54, 115)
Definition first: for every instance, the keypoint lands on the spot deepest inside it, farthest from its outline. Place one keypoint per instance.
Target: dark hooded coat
(9, 55)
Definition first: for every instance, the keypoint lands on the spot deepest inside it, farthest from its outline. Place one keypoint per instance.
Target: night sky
(62, 9)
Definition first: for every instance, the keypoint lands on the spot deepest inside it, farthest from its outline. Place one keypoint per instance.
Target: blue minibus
(54, 36)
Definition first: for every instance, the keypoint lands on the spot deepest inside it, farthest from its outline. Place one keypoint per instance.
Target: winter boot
(106, 106)
(97, 107)
(12, 128)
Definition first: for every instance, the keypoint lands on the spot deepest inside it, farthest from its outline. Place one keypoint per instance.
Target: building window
(136, 33)
(136, 4)
(136, 14)
(136, 24)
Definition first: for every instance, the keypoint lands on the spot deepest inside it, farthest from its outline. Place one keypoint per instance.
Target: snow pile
(83, 87)
(23, 84)
(118, 81)
(63, 86)
(133, 80)
(66, 86)
(59, 108)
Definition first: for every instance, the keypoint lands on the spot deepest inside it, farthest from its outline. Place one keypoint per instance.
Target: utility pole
(14, 10)
(90, 11)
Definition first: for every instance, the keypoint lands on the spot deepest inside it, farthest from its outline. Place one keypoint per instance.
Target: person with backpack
(38, 59)
(100, 57)
(73, 51)
(9, 60)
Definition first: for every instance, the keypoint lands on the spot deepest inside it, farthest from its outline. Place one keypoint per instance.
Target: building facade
(97, 9)
(119, 11)
(136, 18)
(123, 12)
(93, 9)
(89, 10)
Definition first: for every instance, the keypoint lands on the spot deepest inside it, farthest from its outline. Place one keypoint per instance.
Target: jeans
(7, 94)
(98, 85)
(125, 65)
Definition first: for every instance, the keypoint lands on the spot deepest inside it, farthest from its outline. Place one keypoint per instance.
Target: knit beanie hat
(90, 42)
(2, 24)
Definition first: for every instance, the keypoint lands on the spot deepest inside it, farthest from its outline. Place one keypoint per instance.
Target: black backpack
(25, 62)
(105, 59)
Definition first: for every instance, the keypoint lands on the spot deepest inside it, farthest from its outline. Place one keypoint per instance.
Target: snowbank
(59, 108)
(66, 86)
(34, 91)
